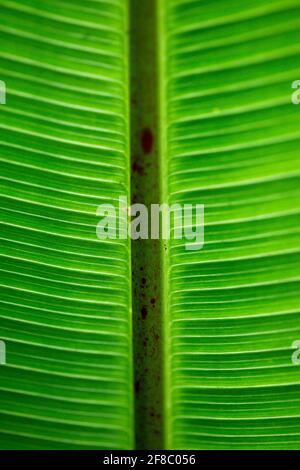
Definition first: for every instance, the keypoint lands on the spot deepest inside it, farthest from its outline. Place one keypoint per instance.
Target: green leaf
(65, 303)
(229, 140)
(231, 137)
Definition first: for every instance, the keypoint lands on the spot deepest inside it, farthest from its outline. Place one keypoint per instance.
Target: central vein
(146, 269)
